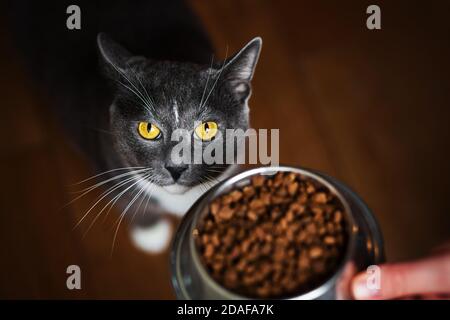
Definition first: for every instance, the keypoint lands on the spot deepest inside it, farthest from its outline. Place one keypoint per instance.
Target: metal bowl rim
(221, 187)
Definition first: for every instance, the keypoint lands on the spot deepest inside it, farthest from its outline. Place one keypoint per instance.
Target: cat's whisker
(103, 173)
(89, 189)
(214, 177)
(216, 165)
(207, 79)
(210, 185)
(142, 199)
(105, 194)
(150, 175)
(100, 212)
(205, 186)
(122, 215)
(138, 193)
(199, 180)
(148, 200)
(214, 180)
(148, 104)
(138, 93)
(218, 76)
(113, 201)
(150, 100)
(211, 181)
(103, 182)
(216, 169)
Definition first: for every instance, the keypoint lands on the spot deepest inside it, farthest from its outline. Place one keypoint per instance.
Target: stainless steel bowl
(365, 246)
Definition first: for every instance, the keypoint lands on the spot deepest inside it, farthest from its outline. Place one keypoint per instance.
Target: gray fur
(159, 86)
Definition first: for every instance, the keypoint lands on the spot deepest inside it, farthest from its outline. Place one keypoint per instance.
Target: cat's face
(153, 99)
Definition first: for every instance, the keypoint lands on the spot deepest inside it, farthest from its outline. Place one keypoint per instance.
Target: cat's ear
(240, 67)
(113, 55)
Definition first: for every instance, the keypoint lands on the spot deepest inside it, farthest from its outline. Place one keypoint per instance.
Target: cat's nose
(176, 172)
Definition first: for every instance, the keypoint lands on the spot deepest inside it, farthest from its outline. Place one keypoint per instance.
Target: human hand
(427, 278)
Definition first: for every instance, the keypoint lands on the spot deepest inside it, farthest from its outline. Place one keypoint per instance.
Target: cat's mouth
(176, 188)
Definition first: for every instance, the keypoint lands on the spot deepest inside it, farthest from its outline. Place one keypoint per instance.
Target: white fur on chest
(177, 204)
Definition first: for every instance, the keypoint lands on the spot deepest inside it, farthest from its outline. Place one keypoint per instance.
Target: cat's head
(154, 98)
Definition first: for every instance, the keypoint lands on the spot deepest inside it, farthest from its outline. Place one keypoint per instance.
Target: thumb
(429, 275)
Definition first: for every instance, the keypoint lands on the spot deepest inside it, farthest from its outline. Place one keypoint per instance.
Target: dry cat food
(279, 236)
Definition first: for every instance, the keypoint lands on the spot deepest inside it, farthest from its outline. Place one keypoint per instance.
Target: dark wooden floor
(369, 107)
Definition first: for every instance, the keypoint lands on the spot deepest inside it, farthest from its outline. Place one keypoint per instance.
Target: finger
(430, 275)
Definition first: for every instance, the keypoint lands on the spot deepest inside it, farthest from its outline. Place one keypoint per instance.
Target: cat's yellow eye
(206, 130)
(148, 131)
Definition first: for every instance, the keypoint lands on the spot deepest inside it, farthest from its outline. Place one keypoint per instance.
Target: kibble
(278, 236)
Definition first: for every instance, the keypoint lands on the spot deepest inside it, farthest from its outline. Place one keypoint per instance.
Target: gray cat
(122, 114)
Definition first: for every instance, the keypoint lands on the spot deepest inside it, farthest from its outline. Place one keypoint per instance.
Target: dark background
(368, 107)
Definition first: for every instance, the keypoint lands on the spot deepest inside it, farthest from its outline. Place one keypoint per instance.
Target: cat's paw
(154, 238)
